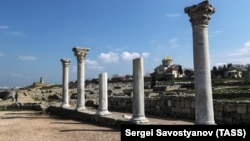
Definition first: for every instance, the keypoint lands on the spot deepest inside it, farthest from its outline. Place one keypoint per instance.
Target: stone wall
(183, 106)
(89, 116)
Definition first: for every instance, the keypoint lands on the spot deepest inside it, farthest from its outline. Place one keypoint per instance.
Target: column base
(205, 123)
(65, 106)
(139, 120)
(80, 108)
(103, 113)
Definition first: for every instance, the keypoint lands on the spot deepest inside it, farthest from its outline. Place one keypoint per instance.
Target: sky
(36, 34)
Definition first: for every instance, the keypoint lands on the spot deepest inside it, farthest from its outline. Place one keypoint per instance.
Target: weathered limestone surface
(199, 17)
(80, 54)
(65, 76)
(103, 95)
(183, 106)
(138, 92)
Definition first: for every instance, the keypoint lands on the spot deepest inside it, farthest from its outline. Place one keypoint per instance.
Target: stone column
(138, 92)
(199, 17)
(80, 54)
(103, 95)
(65, 89)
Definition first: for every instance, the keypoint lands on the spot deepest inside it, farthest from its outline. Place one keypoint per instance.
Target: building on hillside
(40, 83)
(228, 71)
(167, 70)
(233, 71)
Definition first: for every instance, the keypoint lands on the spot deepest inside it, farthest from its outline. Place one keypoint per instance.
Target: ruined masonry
(199, 17)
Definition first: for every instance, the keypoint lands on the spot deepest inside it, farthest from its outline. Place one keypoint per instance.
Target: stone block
(218, 106)
(192, 104)
(245, 117)
(185, 110)
(182, 103)
(228, 107)
(248, 108)
(169, 103)
(241, 108)
(187, 104)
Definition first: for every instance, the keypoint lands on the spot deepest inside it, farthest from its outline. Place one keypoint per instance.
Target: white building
(168, 69)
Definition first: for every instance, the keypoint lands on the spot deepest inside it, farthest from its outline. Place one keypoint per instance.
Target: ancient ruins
(204, 114)
(134, 97)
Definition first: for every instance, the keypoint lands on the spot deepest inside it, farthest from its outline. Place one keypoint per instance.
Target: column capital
(200, 14)
(65, 61)
(80, 53)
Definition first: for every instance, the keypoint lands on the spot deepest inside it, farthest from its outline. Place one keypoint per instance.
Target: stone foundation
(183, 106)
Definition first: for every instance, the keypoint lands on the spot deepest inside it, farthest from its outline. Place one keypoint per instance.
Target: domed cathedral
(167, 61)
(168, 70)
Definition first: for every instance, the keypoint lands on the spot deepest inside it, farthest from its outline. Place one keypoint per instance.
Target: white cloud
(109, 57)
(173, 15)
(17, 75)
(16, 33)
(4, 27)
(125, 56)
(214, 33)
(152, 41)
(129, 56)
(89, 40)
(92, 64)
(243, 51)
(27, 58)
(239, 60)
(120, 49)
(145, 54)
(247, 44)
(217, 32)
(1, 54)
(173, 43)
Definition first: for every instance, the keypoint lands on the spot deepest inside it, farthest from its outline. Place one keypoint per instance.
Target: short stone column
(138, 92)
(65, 80)
(103, 95)
(199, 17)
(80, 54)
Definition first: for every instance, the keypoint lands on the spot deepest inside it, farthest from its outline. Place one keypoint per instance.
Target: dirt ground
(34, 126)
(31, 126)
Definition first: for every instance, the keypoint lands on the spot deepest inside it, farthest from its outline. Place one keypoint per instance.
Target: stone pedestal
(80, 54)
(65, 88)
(103, 95)
(138, 92)
(199, 17)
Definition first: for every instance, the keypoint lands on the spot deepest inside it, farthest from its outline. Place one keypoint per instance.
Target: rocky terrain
(53, 93)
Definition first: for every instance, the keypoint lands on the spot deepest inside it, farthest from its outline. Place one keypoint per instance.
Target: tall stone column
(138, 92)
(65, 76)
(199, 17)
(103, 95)
(80, 54)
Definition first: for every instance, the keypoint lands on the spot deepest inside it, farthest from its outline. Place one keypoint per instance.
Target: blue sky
(36, 34)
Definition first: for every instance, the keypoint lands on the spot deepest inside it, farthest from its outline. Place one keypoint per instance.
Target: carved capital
(80, 53)
(65, 62)
(200, 14)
